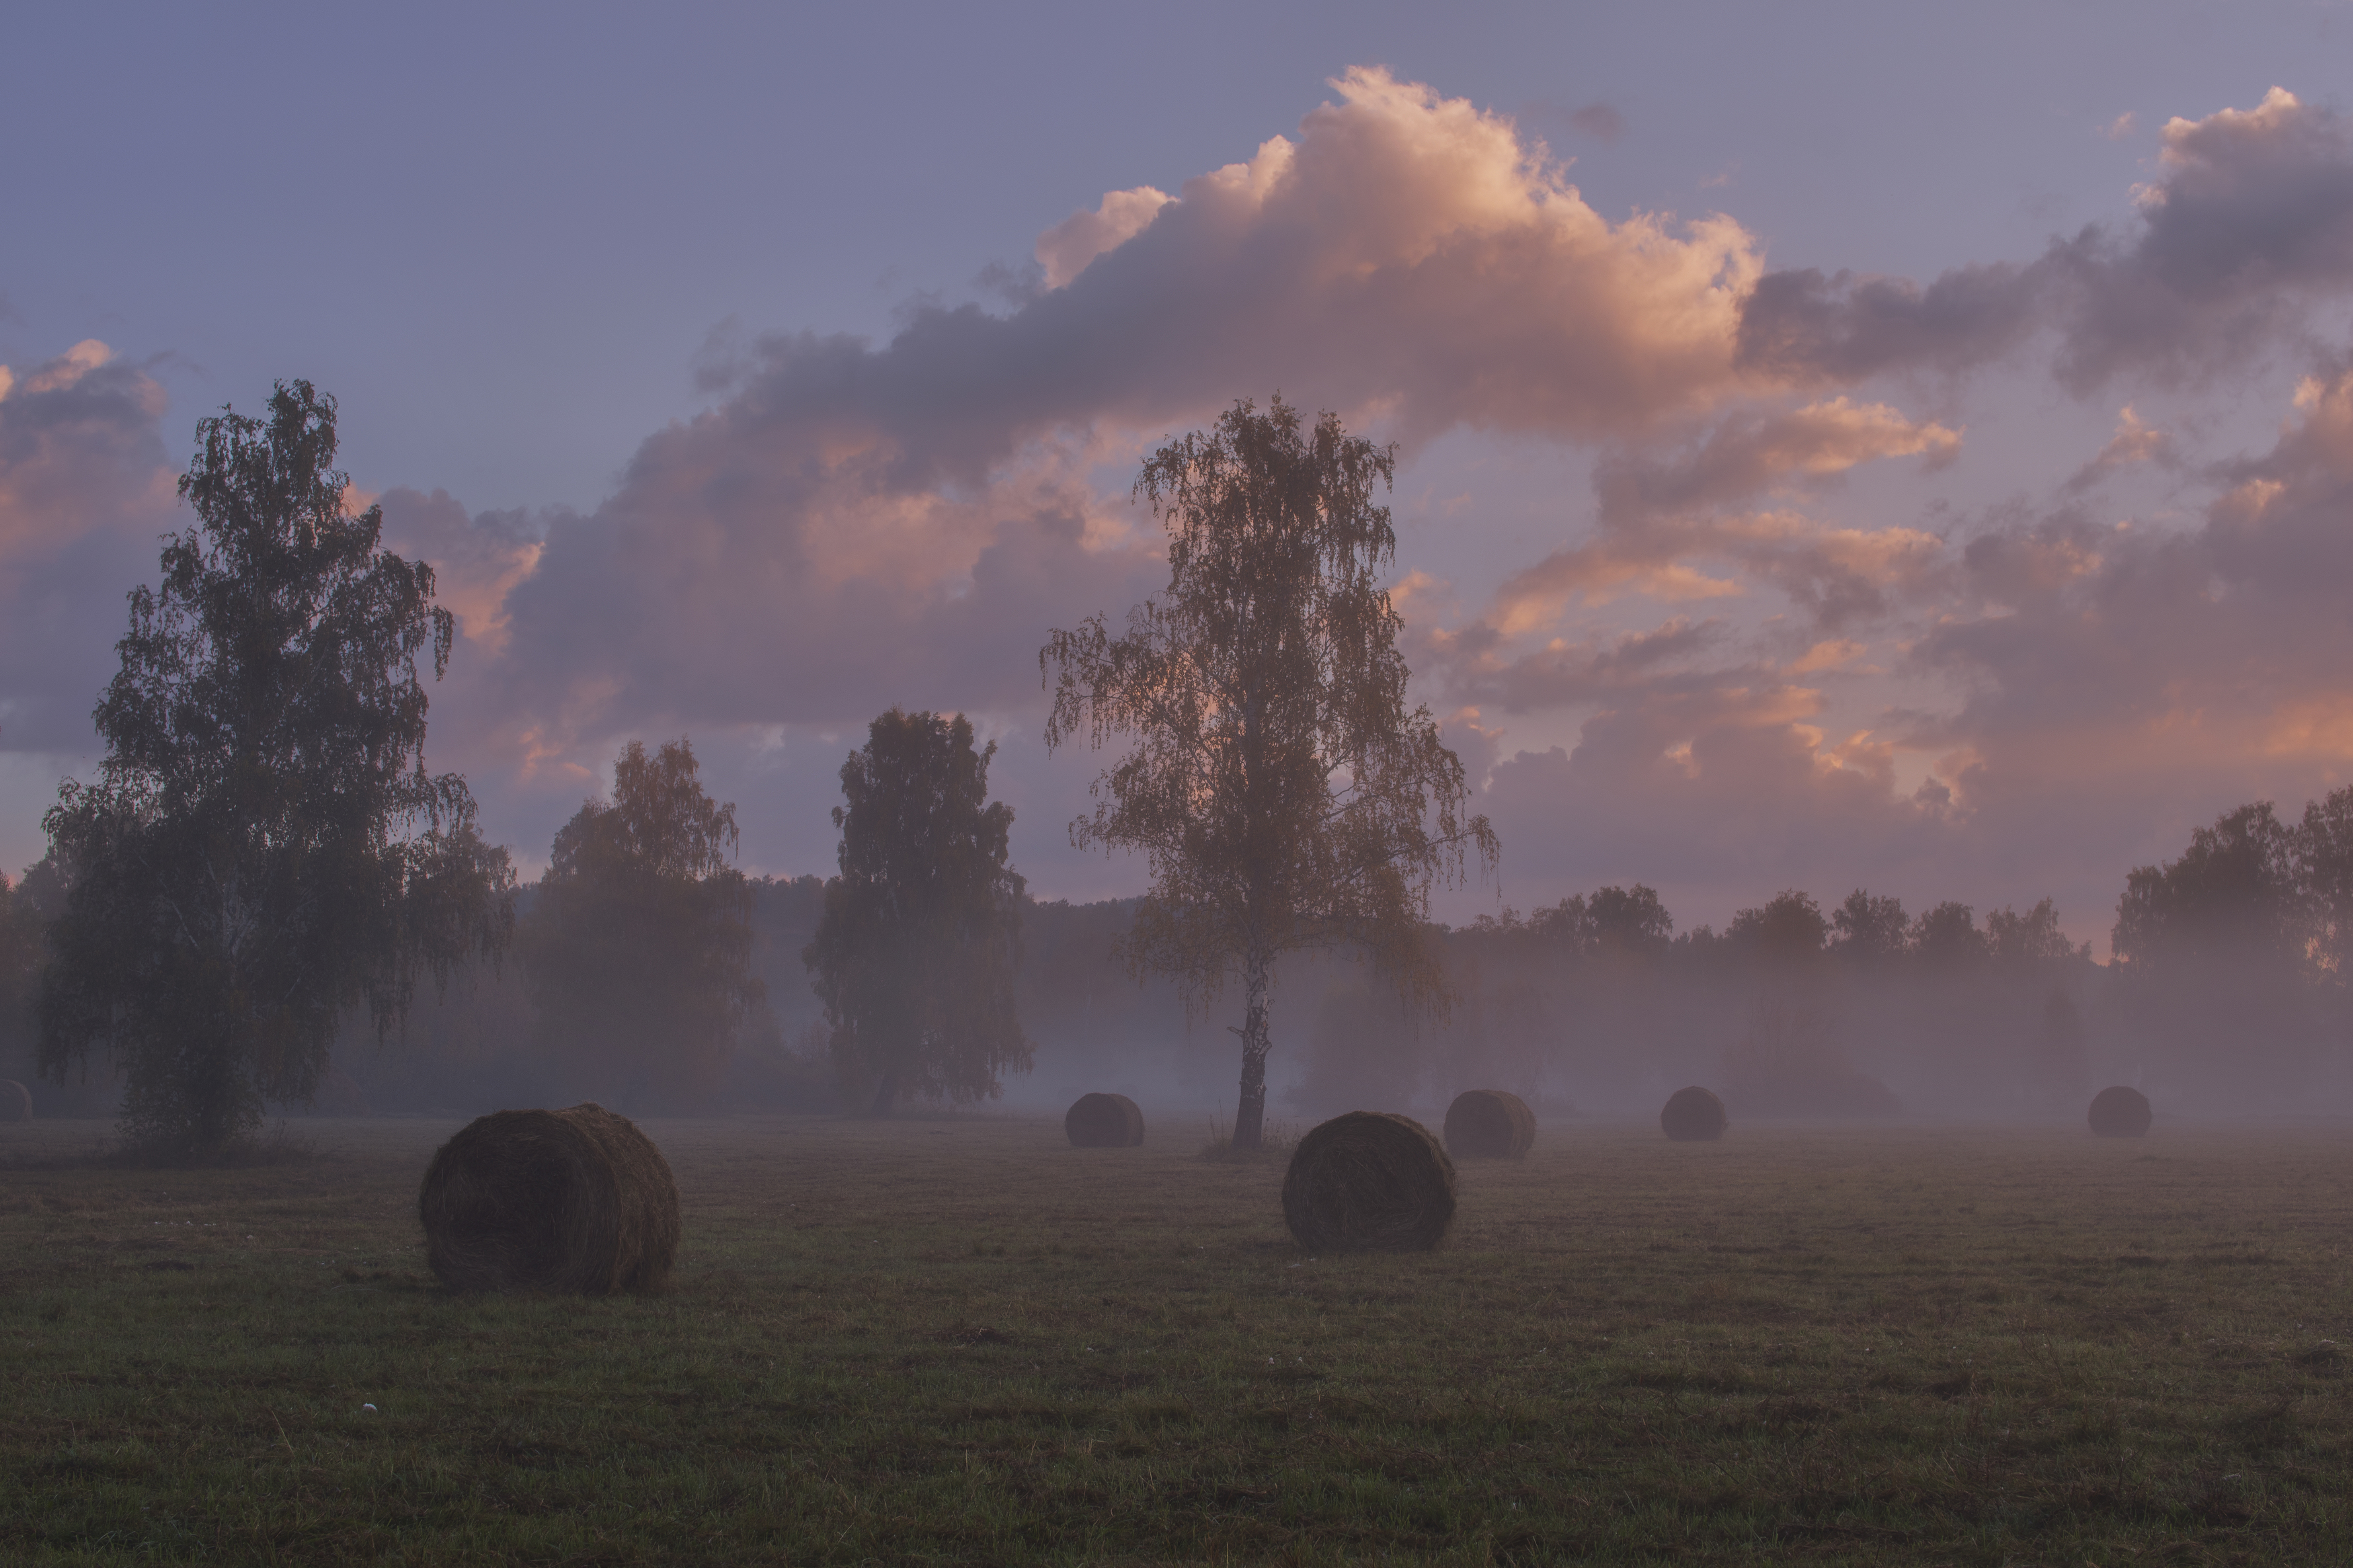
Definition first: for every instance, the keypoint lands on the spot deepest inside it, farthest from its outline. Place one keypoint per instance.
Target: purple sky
(1841, 445)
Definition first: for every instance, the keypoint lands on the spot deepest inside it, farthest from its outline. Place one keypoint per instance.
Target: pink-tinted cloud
(1666, 532)
(84, 490)
(853, 525)
(1406, 254)
(2250, 220)
(1772, 676)
(856, 525)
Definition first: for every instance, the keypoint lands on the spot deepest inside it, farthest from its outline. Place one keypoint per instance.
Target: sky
(1839, 446)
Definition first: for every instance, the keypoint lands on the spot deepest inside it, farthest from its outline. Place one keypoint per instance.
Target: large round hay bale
(2120, 1112)
(15, 1102)
(1693, 1115)
(575, 1201)
(1104, 1121)
(1369, 1182)
(1488, 1124)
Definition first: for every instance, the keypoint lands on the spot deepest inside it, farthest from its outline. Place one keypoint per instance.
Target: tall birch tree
(1285, 794)
(263, 850)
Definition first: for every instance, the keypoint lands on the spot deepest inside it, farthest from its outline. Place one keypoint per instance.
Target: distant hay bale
(1692, 1116)
(574, 1201)
(1104, 1121)
(1488, 1124)
(15, 1102)
(1369, 1182)
(2120, 1112)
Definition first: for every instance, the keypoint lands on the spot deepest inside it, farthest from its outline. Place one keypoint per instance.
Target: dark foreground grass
(966, 1341)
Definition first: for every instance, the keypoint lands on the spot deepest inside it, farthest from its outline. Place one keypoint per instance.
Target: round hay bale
(2120, 1112)
(1104, 1121)
(1369, 1182)
(15, 1102)
(1693, 1115)
(578, 1202)
(1488, 1124)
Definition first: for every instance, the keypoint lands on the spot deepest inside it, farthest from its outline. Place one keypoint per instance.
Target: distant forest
(2227, 996)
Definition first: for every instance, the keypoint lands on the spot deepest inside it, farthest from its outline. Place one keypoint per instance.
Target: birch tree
(1282, 790)
(264, 849)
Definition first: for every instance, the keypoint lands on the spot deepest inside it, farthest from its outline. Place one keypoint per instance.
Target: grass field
(965, 1342)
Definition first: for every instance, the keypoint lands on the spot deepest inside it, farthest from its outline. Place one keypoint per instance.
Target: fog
(1952, 1020)
(2226, 1000)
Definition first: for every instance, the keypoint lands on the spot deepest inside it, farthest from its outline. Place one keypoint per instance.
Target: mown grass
(965, 1342)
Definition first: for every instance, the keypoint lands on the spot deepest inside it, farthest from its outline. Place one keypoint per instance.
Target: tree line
(265, 874)
(265, 855)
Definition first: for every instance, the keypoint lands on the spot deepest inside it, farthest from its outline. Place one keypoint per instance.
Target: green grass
(965, 1342)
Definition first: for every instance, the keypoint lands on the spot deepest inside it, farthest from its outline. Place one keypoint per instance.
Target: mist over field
(1781, 521)
(1593, 1009)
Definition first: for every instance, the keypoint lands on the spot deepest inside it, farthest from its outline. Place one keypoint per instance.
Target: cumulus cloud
(1065, 249)
(476, 560)
(1720, 801)
(858, 524)
(2134, 442)
(2147, 645)
(2250, 219)
(84, 490)
(1405, 254)
(1761, 672)
(1663, 521)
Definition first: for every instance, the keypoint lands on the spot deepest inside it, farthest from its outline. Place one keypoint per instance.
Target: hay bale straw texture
(1104, 1121)
(1488, 1124)
(15, 1102)
(2120, 1112)
(572, 1201)
(1693, 1115)
(1369, 1182)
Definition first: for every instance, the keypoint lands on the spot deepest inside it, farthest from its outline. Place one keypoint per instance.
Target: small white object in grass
(369, 1408)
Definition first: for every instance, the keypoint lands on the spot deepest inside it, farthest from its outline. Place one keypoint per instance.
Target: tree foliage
(263, 848)
(1868, 928)
(1283, 791)
(2235, 892)
(916, 954)
(21, 947)
(1628, 922)
(1788, 929)
(2324, 876)
(638, 944)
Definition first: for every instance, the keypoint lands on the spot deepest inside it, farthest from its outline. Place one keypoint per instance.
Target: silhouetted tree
(1629, 921)
(1284, 794)
(2234, 893)
(2217, 952)
(1948, 938)
(2033, 937)
(1870, 930)
(638, 948)
(914, 956)
(249, 865)
(2323, 868)
(1789, 931)
(22, 945)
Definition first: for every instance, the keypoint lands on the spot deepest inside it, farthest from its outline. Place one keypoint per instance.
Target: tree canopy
(914, 956)
(1283, 793)
(638, 945)
(264, 847)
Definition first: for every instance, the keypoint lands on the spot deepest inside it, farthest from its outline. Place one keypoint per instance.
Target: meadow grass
(965, 1342)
